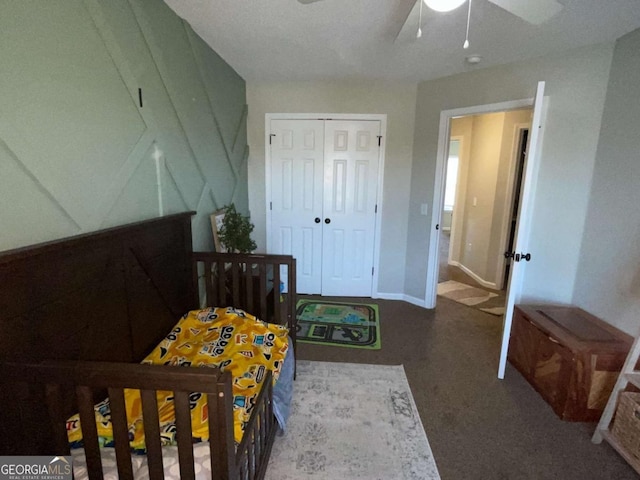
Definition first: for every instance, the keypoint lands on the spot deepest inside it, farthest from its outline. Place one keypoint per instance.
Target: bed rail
(86, 377)
(252, 454)
(263, 285)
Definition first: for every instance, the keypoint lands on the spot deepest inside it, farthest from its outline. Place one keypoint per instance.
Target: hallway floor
(449, 272)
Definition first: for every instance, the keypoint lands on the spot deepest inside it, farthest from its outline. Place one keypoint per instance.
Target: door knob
(327, 221)
(317, 220)
(518, 256)
(522, 256)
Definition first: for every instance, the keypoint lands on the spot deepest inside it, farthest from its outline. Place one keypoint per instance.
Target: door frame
(382, 118)
(438, 189)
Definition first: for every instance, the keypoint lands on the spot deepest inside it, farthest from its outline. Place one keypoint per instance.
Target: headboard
(89, 290)
(110, 295)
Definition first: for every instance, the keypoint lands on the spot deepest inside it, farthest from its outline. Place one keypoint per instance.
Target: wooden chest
(571, 357)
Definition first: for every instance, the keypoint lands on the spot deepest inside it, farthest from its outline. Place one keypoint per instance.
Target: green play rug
(354, 325)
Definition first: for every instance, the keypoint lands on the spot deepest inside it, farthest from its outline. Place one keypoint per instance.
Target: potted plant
(235, 234)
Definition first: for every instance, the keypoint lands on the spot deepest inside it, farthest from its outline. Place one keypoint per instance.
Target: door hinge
(379, 140)
(372, 268)
(140, 97)
(270, 137)
(376, 210)
(270, 205)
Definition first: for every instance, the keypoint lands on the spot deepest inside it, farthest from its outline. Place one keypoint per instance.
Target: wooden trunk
(571, 357)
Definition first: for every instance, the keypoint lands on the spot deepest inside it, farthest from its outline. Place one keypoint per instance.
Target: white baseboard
(389, 296)
(473, 275)
(402, 297)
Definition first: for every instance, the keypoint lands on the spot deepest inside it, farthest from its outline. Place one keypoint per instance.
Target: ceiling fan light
(443, 5)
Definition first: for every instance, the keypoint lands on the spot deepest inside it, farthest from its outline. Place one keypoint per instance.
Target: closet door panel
(351, 165)
(296, 185)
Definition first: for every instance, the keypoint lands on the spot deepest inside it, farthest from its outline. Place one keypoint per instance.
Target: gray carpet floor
(479, 427)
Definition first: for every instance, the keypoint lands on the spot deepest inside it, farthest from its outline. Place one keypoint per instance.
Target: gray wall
(608, 280)
(576, 87)
(77, 152)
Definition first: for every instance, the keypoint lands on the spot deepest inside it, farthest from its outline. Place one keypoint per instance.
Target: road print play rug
(355, 325)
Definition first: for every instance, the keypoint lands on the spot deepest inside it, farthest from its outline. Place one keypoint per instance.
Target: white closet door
(296, 197)
(351, 162)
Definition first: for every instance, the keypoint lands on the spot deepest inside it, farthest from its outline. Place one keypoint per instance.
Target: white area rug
(498, 311)
(352, 421)
(471, 296)
(463, 293)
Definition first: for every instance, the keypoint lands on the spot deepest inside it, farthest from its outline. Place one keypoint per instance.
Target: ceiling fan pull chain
(466, 40)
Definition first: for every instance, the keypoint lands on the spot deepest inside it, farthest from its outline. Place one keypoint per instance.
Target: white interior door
(324, 185)
(297, 167)
(522, 229)
(351, 165)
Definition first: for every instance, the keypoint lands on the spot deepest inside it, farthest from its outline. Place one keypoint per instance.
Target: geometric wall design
(113, 111)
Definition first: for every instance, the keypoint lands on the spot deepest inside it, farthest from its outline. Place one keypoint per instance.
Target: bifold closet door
(297, 167)
(351, 159)
(324, 176)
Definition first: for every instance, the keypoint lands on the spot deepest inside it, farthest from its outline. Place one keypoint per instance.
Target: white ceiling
(283, 40)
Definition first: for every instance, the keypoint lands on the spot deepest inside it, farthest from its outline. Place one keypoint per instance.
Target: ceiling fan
(535, 12)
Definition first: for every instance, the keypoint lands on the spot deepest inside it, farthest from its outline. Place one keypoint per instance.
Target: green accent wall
(77, 151)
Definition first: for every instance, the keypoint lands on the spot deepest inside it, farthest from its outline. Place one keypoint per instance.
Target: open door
(521, 254)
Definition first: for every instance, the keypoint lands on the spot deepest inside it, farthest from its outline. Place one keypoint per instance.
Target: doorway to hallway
(523, 221)
(481, 191)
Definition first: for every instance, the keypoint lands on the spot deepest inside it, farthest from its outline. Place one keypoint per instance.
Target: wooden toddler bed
(78, 315)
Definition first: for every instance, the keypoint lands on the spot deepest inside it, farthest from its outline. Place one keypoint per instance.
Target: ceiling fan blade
(535, 12)
(307, 2)
(401, 17)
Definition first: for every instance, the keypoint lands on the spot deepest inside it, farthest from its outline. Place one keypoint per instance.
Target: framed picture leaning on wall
(217, 218)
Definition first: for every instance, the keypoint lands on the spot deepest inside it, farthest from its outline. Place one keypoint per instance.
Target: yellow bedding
(224, 337)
